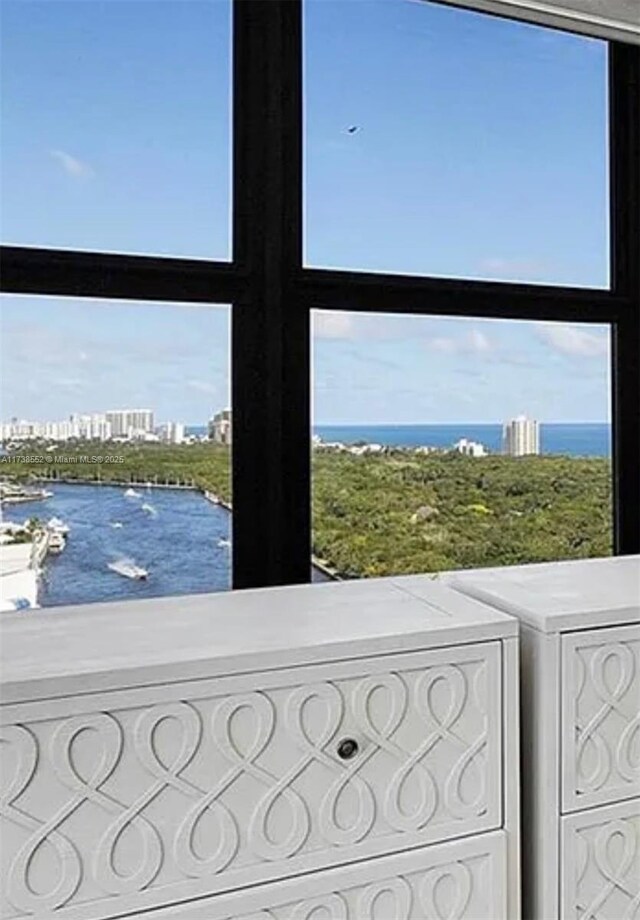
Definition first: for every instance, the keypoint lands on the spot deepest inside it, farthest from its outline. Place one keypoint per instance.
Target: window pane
(445, 142)
(458, 443)
(106, 409)
(115, 125)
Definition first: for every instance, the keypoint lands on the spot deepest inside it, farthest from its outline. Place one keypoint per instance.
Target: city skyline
(91, 416)
(427, 85)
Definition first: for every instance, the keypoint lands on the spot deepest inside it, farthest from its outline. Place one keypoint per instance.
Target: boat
(11, 494)
(212, 497)
(58, 526)
(128, 569)
(222, 542)
(149, 508)
(131, 493)
(57, 542)
(116, 524)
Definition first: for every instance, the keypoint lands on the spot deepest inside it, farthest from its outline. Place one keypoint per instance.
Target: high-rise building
(521, 436)
(93, 427)
(130, 423)
(173, 433)
(220, 427)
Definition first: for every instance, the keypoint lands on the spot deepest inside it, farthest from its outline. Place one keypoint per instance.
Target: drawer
(600, 716)
(601, 863)
(462, 879)
(139, 797)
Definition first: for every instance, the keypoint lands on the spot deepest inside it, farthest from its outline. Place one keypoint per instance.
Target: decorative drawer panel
(601, 716)
(601, 863)
(462, 879)
(133, 798)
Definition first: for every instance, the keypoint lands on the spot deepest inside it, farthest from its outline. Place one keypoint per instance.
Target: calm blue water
(593, 440)
(178, 544)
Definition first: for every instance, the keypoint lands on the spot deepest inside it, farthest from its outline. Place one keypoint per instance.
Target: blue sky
(481, 152)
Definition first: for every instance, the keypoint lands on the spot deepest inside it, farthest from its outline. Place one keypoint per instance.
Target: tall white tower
(521, 436)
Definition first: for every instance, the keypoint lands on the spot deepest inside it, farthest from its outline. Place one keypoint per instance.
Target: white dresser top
(47, 653)
(560, 596)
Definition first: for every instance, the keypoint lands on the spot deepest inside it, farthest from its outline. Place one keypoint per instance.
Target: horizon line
(428, 424)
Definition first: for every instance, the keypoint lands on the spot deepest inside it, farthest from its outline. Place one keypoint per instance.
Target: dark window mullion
(66, 273)
(384, 293)
(624, 82)
(270, 330)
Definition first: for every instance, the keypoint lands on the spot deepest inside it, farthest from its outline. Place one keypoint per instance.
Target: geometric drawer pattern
(163, 793)
(602, 716)
(601, 871)
(460, 890)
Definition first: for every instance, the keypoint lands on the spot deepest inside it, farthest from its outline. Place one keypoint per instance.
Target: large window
(491, 167)
(115, 125)
(444, 142)
(458, 443)
(116, 449)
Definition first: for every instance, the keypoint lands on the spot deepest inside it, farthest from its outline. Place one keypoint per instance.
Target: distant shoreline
(583, 439)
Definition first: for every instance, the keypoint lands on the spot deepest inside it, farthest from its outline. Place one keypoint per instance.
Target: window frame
(272, 295)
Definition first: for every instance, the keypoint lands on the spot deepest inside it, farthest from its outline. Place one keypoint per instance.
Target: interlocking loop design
(169, 775)
(346, 774)
(589, 736)
(279, 825)
(441, 729)
(462, 880)
(245, 762)
(19, 892)
(400, 891)
(88, 790)
(616, 878)
(628, 770)
(334, 904)
(382, 738)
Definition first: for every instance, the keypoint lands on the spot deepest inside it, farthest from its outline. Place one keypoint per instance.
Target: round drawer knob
(347, 748)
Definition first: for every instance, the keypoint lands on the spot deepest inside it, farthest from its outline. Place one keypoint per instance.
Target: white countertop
(63, 650)
(560, 596)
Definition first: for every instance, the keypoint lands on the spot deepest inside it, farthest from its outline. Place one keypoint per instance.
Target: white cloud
(473, 342)
(72, 165)
(333, 325)
(573, 341)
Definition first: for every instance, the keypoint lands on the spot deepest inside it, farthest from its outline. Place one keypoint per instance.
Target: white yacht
(58, 526)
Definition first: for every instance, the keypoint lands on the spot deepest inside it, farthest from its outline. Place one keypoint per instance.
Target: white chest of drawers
(262, 754)
(580, 665)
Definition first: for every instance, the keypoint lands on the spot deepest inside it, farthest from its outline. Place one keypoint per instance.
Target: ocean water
(576, 440)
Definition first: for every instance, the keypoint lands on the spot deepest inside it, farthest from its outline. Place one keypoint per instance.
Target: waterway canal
(177, 535)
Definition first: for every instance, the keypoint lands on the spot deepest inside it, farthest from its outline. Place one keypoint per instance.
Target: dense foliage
(403, 512)
(201, 465)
